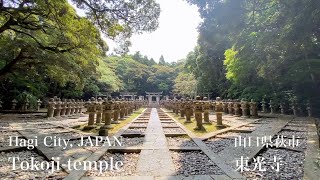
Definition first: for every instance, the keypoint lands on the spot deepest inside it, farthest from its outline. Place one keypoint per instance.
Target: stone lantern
(122, 106)
(206, 109)
(108, 110)
(63, 107)
(39, 104)
(198, 113)
(236, 107)
(51, 107)
(253, 109)
(14, 104)
(309, 109)
(282, 108)
(294, 107)
(244, 108)
(91, 110)
(263, 105)
(116, 111)
(177, 106)
(219, 111)
(188, 106)
(99, 110)
(58, 108)
(182, 108)
(272, 107)
(230, 107)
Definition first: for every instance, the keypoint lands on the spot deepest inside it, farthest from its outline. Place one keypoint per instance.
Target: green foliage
(24, 97)
(268, 48)
(185, 84)
(139, 74)
(47, 49)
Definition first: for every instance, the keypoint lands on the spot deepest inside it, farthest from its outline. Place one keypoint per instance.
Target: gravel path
(67, 135)
(296, 128)
(181, 142)
(7, 172)
(135, 141)
(135, 130)
(233, 135)
(53, 130)
(246, 128)
(194, 163)
(219, 144)
(169, 125)
(291, 165)
(173, 130)
(129, 160)
(290, 134)
(5, 136)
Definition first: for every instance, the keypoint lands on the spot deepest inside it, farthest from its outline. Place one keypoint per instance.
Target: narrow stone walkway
(155, 157)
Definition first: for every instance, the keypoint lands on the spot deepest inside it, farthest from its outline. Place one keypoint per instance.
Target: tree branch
(8, 67)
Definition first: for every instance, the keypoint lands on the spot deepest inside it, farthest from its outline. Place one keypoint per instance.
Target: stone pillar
(182, 108)
(99, 109)
(25, 105)
(116, 112)
(173, 106)
(192, 109)
(72, 106)
(177, 106)
(219, 111)
(309, 109)
(206, 108)
(263, 105)
(188, 106)
(38, 104)
(225, 107)
(51, 107)
(81, 106)
(14, 104)
(244, 108)
(149, 99)
(91, 110)
(58, 108)
(272, 107)
(230, 107)
(76, 106)
(126, 108)
(253, 109)
(108, 110)
(236, 107)
(63, 107)
(121, 109)
(282, 108)
(198, 113)
(294, 109)
(68, 107)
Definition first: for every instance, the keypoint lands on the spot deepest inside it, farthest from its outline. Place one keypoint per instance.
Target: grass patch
(190, 126)
(116, 127)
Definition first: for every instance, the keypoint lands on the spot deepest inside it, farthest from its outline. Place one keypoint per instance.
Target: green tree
(162, 61)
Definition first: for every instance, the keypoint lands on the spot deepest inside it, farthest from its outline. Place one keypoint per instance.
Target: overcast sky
(176, 36)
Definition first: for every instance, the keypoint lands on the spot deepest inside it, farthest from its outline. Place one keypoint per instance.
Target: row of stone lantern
(25, 106)
(200, 109)
(109, 111)
(65, 107)
(240, 108)
(232, 107)
(272, 108)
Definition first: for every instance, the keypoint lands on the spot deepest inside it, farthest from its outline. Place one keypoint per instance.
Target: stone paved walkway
(159, 147)
(155, 158)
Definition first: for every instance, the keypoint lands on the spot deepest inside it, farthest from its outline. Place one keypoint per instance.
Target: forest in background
(246, 49)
